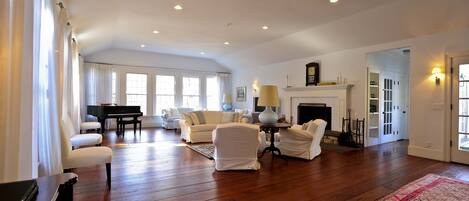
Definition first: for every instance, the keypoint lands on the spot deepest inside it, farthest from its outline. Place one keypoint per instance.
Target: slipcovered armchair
(236, 146)
(171, 117)
(303, 143)
(77, 140)
(84, 157)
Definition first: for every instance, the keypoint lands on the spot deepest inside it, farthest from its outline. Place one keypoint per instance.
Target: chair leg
(140, 127)
(135, 128)
(108, 175)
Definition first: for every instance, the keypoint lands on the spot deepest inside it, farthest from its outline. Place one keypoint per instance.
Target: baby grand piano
(103, 112)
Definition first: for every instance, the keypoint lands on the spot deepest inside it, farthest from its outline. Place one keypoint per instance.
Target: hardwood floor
(157, 166)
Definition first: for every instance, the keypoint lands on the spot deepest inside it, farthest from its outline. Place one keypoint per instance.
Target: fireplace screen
(312, 111)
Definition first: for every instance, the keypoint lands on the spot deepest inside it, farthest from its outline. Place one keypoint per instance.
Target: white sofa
(171, 117)
(302, 143)
(201, 131)
(236, 146)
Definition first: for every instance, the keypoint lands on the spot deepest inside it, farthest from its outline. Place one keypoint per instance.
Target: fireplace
(312, 111)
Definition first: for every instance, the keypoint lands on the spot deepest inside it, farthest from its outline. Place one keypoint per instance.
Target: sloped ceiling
(298, 28)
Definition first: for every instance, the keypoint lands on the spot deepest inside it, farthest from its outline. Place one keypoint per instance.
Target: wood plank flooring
(156, 165)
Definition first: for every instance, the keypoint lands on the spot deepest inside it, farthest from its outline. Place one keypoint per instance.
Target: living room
(235, 100)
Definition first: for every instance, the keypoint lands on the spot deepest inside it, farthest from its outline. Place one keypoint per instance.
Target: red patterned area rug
(432, 187)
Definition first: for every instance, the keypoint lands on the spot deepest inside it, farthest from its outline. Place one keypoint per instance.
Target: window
(114, 87)
(136, 91)
(164, 93)
(213, 98)
(190, 92)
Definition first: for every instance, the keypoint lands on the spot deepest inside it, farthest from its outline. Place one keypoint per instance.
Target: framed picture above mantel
(312, 74)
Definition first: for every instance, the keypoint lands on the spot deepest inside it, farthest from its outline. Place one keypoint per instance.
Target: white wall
(148, 59)
(427, 101)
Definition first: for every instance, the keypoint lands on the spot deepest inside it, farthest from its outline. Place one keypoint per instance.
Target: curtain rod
(167, 68)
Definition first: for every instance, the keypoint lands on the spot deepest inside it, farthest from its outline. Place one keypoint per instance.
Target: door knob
(404, 111)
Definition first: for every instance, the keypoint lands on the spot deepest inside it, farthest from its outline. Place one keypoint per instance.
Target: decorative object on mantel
(312, 73)
(241, 94)
(340, 79)
(268, 97)
(227, 106)
(288, 84)
(323, 87)
(327, 83)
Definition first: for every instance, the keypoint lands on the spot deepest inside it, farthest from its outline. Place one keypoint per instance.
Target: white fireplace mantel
(334, 96)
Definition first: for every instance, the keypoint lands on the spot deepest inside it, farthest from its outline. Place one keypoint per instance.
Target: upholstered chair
(303, 143)
(78, 140)
(91, 125)
(236, 146)
(84, 157)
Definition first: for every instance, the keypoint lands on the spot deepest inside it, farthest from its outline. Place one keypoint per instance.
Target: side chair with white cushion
(303, 142)
(236, 146)
(91, 125)
(78, 140)
(84, 157)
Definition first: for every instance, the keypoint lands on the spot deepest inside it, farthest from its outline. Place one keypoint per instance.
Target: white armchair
(236, 146)
(300, 143)
(89, 156)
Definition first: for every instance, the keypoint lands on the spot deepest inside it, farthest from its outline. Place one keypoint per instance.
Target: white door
(403, 106)
(460, 111)
(386, 125)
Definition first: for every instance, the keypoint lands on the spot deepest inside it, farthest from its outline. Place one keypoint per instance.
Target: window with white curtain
(136, 90)
(164, 92)
(191, 92)
(114, 87)
(213, 97)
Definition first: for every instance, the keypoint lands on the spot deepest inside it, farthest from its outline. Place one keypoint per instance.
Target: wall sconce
(436, 73)
(255, 87)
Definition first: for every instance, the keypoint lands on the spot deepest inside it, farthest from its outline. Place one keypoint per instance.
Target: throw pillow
(312, 127)
(194, 118)
(200, 117)
(187, 117)
(227, 117)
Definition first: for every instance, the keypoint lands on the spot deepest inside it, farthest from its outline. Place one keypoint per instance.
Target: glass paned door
(460, 113)
(387, 120)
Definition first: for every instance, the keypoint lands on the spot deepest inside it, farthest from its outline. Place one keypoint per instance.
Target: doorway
(388, 92)
(460, 112)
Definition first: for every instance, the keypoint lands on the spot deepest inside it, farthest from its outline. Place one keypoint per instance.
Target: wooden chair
(121, 122)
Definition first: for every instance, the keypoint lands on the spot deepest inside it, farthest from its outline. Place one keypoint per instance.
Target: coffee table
(272, 129)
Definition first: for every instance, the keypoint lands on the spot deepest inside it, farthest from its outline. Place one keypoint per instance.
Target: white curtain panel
(18, 158)
(225, 83)
(98, 83)
(46, 88)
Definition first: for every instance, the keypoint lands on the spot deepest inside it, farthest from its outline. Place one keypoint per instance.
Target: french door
(460, 111)
(387, 133)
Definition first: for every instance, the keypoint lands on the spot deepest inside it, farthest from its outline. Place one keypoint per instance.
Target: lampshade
(226, 98)
(268, 96)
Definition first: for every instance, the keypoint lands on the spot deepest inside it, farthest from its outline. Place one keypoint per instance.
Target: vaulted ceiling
(297, 28)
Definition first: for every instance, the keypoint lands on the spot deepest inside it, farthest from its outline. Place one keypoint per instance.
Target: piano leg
(103, 124)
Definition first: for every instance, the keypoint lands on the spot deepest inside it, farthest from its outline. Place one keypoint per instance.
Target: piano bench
(121, 125)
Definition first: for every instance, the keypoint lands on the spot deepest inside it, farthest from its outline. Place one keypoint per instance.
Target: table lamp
(227, 102)
(268, 97)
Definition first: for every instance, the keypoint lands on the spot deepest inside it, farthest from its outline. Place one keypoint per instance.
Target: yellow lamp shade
(268, 96)
(226, 98)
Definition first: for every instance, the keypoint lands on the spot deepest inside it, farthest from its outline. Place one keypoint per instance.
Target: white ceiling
(298, 28)
(201, 25)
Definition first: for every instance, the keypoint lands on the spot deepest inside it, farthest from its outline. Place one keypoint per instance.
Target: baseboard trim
(426, 153)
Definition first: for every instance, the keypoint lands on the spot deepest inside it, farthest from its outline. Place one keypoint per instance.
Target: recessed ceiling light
(178, 7)
(333, 1)
(156, 32)
(265, 27)
(202, 53)
(226, 43)
(142, 45)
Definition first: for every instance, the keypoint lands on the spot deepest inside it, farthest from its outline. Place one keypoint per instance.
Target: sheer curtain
(98, 79)
(225, 83)
(46, 87)
(18, 147)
